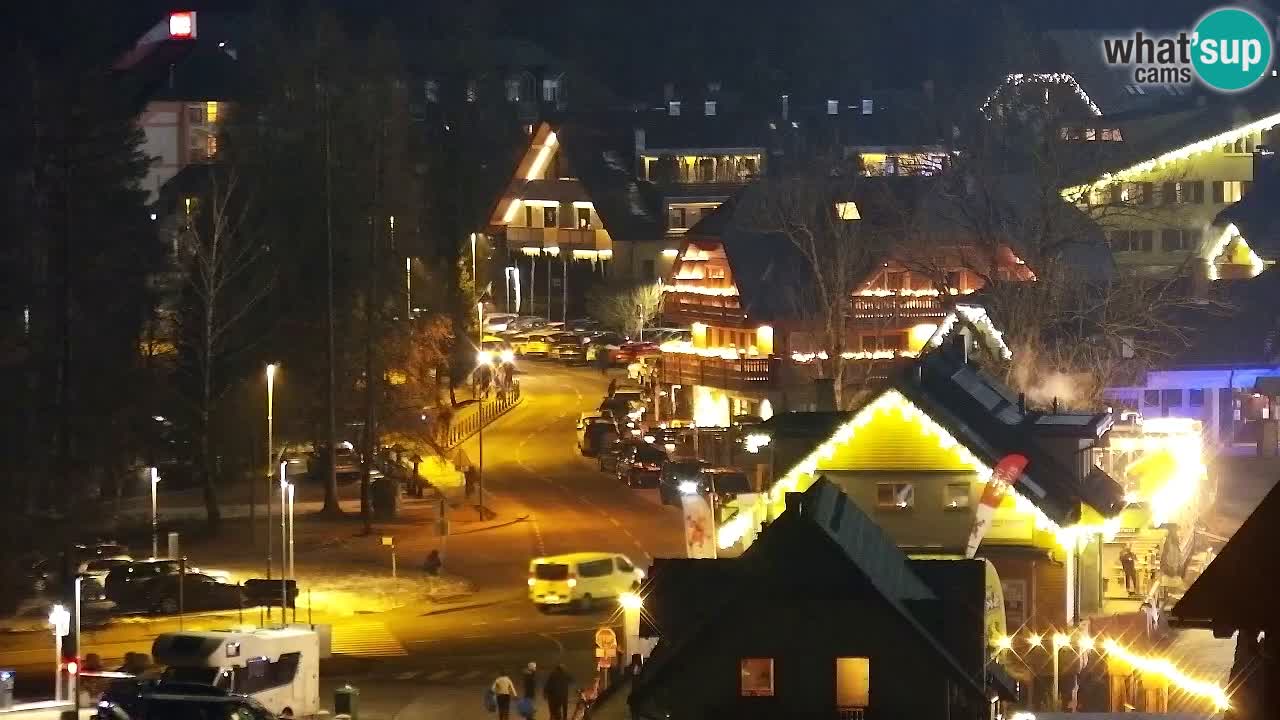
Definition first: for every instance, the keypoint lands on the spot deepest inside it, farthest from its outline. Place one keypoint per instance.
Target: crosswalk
(444, 676)
(368, 638)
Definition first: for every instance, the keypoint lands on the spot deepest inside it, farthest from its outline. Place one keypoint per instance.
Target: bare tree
(225, 276)
(628, 309)
(830, 253)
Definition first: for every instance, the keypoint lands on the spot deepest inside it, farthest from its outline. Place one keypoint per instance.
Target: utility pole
(564, 291)
(331, 482)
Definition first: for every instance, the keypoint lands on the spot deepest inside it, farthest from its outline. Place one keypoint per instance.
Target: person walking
(556, 691)
(503, 691)
(529, 690)
(433, 563)
(1129, 564)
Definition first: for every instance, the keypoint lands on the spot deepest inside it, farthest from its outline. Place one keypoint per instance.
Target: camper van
(279, 668)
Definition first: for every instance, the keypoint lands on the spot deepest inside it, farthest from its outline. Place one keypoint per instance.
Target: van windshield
(551, 571)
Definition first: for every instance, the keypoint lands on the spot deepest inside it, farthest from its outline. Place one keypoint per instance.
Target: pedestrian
(433, 564)
(528, 689)
(503, 691)
(1129, 564)
(613, 387)
(633, 670)
(556, 691)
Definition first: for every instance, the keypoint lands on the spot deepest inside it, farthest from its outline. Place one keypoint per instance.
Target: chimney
(639, 139)
(867, 106)
(668, 92)
(960, 347)
(1055, 404)
(794, 501)
(1263, 161)
(786, 106)
(709, 108)
(824, 393)
(833, 107)
(673, 108)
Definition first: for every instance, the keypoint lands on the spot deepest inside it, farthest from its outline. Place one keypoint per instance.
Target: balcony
(889, 307)
(564, 238)
(742, 374)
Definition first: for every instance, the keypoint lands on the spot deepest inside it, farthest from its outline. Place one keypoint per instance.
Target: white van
(580, 579)
(279, 668)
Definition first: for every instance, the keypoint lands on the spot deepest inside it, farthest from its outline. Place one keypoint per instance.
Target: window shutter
(1217, 191)
(1168, 193)
(1197, 192)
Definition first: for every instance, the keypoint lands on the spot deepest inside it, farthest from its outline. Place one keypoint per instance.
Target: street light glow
(1004, 642)
(1035, 640)
(630, 601)
(1060, 640)
(1085, 643)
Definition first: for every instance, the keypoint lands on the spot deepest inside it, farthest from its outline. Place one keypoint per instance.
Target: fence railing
(740, 374)
(461, 428)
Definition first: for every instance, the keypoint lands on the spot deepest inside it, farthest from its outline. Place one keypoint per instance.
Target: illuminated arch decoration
(1016, 79)
(978, 318)
(1182, 153)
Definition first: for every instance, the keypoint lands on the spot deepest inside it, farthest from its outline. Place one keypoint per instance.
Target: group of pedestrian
(555, 690)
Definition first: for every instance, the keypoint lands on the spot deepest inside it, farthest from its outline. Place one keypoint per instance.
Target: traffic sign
(606, 639)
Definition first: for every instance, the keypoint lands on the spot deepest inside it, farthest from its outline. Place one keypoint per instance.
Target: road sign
(388, 540)
(606, 640)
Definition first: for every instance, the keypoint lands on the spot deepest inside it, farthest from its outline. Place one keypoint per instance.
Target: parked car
(679, 475)
(104, 548)
(525, 323)
(579, 579)
(640, 465)
(199, 592)
(596, 433)
(536, 343)
(605, 342)
(497, 322)
(99, 567)
(629, 352)
(124, 584)
(170, 700)
(583, 325)
(612, 456)
(569, 350)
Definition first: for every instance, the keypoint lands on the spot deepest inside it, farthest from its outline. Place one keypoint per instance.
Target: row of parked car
(578, 341)
(659, 457)
(114, 581)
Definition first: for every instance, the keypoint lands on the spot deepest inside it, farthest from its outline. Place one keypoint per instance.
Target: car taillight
(531, 581)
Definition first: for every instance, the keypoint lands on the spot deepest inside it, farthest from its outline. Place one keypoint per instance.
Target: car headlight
(508, 356)
(484, 357)
(688, 487)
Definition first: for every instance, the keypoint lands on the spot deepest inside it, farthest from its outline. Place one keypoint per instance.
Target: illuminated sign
(182, 25)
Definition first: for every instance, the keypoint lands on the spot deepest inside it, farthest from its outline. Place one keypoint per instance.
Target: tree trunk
(331, 506)
(213, 513)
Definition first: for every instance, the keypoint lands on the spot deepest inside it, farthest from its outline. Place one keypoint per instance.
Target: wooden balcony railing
(893, 306)
(568, 238)
(741, 374)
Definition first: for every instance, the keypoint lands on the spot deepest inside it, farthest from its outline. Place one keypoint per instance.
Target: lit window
(757, 677)
(211, 145)
(715, 273)
(182, 25)
(848, 211)
(853, 683)
(1232, 190)
(211, 112)
(895, 495)
(957, 496)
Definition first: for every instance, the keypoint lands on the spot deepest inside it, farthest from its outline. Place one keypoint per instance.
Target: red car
(630, 352)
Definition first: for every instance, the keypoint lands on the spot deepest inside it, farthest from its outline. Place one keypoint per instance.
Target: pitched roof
(1228, 593)
(821, 514)
(985, 416)
(1111, 87)
(1254, 214)
(1243, 328)
(601, 157)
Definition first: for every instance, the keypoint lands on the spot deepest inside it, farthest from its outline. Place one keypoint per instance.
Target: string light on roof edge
(1055, 78)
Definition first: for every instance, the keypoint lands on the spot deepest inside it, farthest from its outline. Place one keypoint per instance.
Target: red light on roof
(182, 24)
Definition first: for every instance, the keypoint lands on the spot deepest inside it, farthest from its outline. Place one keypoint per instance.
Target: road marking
(470, 674)
(511, 619)
(439, 675)
(407, 675)
(614, 520)
(365, 638)
(480, 622)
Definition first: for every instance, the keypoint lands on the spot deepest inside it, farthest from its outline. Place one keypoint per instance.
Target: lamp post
(480, 432)
(292, 571)
(271, 388)
(1060, 640)
(632, 605)
(60, 620)
(155, 542)
(284, 543)
(475, 281)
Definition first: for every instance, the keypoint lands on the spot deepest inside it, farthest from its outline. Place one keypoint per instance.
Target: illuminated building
(737, 637)
(916, 457)
(734, 287)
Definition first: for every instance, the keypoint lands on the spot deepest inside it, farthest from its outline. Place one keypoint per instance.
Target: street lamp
(632, 604)
(155, 480)
(480, 432)
(284, 543)
(60, 620)
(475, 281)
(1060, 640)
(271, 388)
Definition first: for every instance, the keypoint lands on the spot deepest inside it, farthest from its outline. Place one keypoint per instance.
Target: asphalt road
(531, 467)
